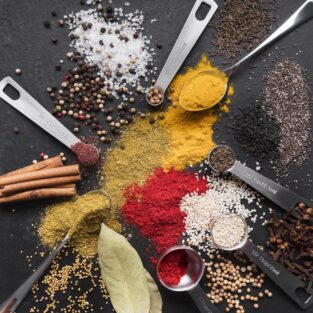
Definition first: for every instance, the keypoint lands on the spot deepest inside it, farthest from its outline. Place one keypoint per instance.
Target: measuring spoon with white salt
(187, 38)
(87, 154)
(275, 192)
(230, 233)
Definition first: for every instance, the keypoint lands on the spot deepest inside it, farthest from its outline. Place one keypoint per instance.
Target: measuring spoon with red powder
(181, 268)
(87, 154)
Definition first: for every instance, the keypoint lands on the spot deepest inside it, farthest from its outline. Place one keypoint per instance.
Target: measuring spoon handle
(32, 109)
(202, 301)
(281, 276)
(304, 13)
(280, 195)
(187, 38)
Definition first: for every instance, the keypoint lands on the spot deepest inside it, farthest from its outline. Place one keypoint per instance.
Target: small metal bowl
(163, 95)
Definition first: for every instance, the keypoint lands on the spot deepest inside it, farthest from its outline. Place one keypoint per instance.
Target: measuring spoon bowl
(190, 281)
(280, 275)
(283, 197)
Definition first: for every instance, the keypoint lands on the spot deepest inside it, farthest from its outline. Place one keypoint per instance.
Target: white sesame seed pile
(226, 195)
(228, 231)
(118, 47)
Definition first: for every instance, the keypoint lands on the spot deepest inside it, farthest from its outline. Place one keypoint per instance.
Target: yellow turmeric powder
(190, 133)
(204, 89)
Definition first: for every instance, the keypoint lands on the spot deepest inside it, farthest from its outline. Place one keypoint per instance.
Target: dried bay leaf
(155, 296)
(123, 273)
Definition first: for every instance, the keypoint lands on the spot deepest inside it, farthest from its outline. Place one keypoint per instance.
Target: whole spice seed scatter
(228, 231)
(287, 99)
(225, 195)
(241, 26)
(173, 267)
(117, 45)
(291, 241)
(256, 131)
(221, 158)
(236, 283)
(81, 218)
(154, 207)
(76, 282)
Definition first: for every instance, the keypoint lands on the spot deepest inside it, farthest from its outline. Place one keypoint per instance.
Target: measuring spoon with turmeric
(215, 83)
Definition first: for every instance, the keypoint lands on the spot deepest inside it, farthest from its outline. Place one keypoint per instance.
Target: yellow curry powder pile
(81, 218)
(190, 133)
(134, 156)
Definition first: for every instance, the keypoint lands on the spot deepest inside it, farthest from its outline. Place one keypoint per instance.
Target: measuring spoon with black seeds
(222, 159)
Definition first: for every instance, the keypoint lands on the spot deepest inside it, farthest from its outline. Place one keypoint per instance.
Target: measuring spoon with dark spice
(222, 159)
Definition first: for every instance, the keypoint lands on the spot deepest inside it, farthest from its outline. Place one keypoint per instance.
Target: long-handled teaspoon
(280, 195)
(11, 304)
(32, 109)
(293, 286)
(304, 13)
(187, 38)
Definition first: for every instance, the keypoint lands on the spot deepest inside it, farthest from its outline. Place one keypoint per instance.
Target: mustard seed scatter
(236, 283)
(71, 284)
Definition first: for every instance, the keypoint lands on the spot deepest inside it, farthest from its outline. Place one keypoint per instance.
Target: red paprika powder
(173, 267)
(154, 207)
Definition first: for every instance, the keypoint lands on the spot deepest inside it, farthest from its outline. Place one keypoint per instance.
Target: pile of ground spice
(154, 207)
(225, 195)
(287, 99)
(241, 26)
(133, 158)
(190, 133)
(81, 218)
(70, 285)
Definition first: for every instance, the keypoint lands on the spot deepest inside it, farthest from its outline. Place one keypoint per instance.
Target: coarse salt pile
(226, 195)
(117, 46)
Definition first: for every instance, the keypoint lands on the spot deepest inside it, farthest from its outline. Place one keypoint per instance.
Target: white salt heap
(119, 48)
(226, 195)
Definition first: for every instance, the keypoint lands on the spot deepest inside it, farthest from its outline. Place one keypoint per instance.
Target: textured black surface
(25, 43)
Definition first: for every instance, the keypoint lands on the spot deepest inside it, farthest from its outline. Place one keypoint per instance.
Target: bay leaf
(156, 302)
(123, 273)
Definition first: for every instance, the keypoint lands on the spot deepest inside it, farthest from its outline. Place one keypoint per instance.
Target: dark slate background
(25, 43)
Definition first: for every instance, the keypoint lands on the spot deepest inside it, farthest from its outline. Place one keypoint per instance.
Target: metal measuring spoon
(187, 38)
(280, 195)
(281, 276)
(32, 109)
(12, 303)
(190, 281)
(304, 13)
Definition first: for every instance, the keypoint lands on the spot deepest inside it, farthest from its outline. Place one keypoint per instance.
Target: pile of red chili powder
(173, 267)
(154, 207)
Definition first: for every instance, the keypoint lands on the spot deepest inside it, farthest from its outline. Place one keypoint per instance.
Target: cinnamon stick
(40, 194)
(49, 163)
(42, 174)
(35, 184)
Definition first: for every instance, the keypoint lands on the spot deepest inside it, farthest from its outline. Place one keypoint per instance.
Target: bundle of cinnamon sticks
(45, 179)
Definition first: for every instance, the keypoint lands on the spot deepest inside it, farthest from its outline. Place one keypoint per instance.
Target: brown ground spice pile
(135, 155)
(81, 218)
